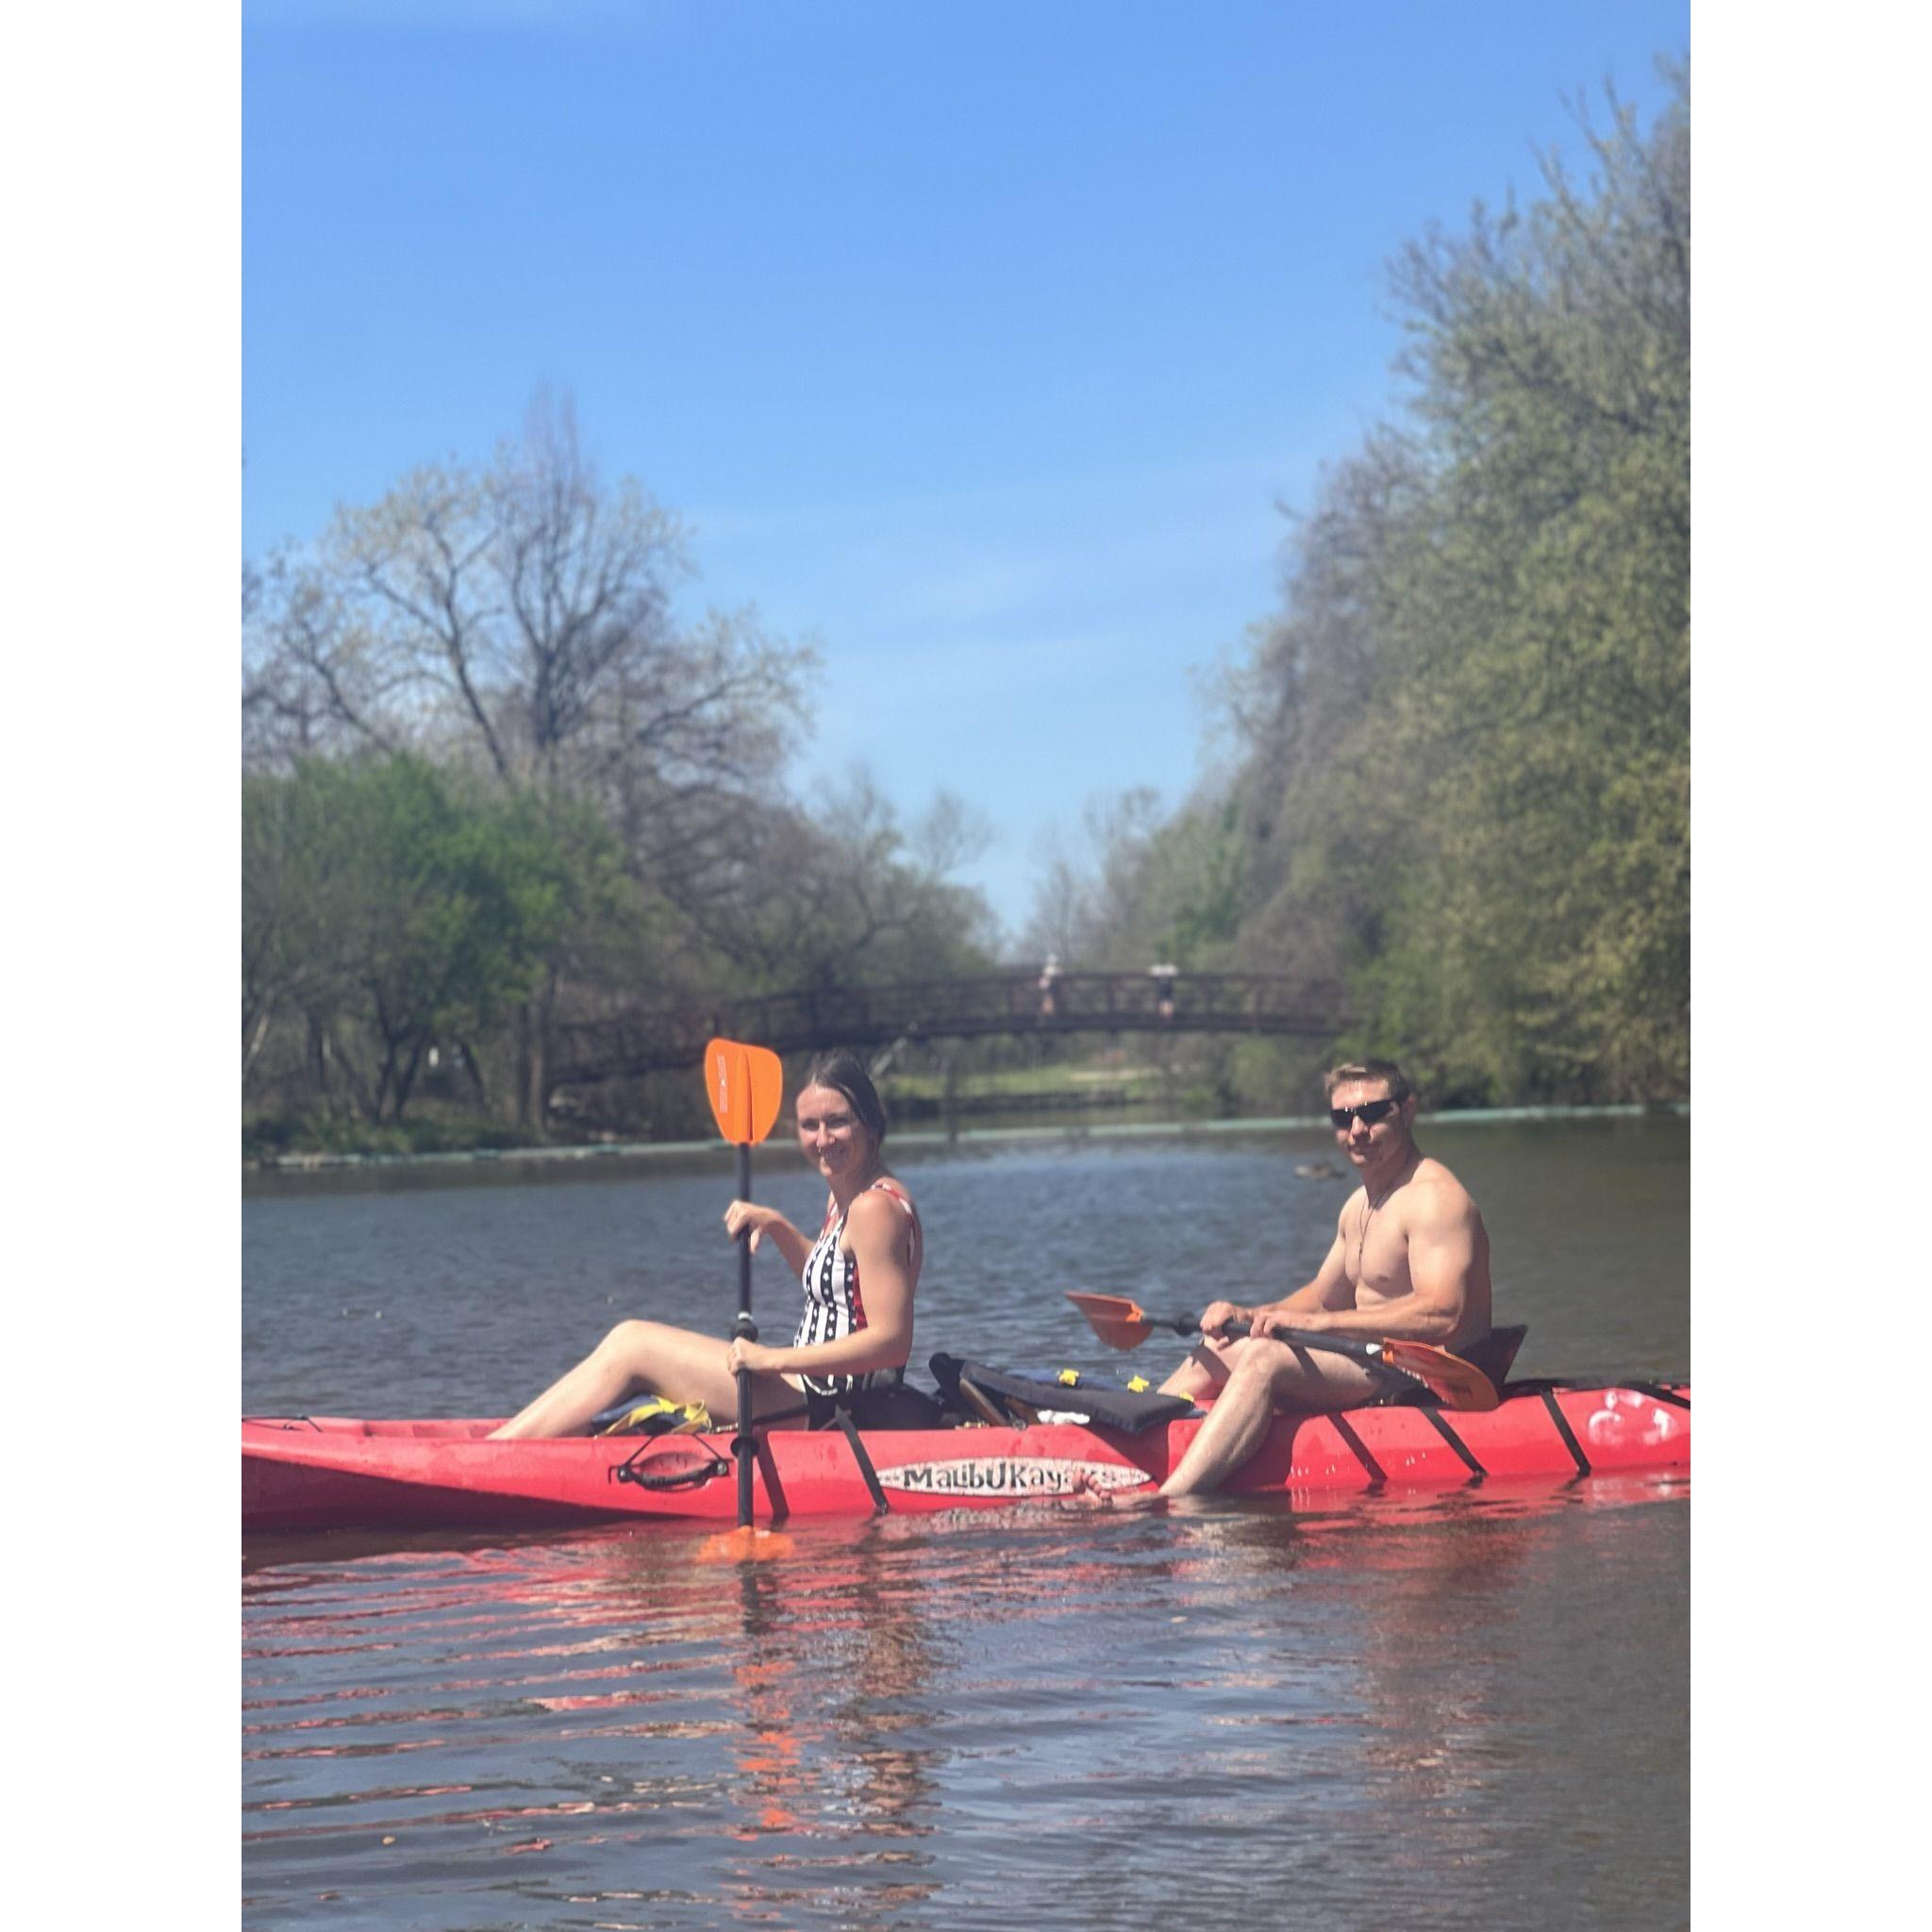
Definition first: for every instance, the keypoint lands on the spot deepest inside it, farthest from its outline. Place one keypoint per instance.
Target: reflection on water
(1444, 1709)
(916, 1723)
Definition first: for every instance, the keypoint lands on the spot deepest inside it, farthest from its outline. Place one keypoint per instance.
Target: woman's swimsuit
(834, 1305)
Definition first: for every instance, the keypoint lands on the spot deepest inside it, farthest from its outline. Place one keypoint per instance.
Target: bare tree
(850, 893)
(521, 615)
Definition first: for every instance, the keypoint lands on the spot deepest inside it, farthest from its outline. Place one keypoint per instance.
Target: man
(1411, 1260)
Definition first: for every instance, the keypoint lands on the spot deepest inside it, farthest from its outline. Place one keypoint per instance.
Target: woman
(859, 1278)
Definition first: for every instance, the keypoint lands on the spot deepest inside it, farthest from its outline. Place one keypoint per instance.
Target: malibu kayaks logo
(1009, 1476)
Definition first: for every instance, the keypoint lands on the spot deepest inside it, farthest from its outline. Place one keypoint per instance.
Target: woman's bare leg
(645, 1358)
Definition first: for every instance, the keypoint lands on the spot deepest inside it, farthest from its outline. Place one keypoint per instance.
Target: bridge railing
(1014, 1003)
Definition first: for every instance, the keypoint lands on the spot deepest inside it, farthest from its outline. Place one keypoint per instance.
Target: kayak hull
(338, 1473)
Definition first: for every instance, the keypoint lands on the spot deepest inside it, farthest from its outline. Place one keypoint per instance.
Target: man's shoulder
(1434, 1193)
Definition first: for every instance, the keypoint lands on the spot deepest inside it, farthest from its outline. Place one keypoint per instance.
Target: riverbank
(591, 1153)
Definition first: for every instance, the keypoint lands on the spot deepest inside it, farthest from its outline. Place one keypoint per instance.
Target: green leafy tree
(399, 915)
(1467, 782)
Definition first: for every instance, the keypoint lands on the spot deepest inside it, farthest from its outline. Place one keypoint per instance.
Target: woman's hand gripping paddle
(746, 1086)
(1123, 1324)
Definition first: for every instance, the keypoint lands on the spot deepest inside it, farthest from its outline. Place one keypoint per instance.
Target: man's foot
(1083, 1492)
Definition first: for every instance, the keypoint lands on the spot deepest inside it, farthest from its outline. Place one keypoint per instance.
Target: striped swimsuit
(833, 1302)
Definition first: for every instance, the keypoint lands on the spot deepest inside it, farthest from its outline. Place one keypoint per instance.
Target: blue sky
(979, 343)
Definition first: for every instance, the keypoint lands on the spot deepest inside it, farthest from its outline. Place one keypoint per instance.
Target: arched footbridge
(1019, 1004)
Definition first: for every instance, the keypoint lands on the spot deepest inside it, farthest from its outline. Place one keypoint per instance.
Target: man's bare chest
(1375, 1254)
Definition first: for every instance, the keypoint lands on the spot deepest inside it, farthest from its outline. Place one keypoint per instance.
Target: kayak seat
(1495, 1353)
(896, 1406)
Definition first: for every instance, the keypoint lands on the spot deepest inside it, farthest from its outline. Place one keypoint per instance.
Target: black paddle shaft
(746, 1329)
(1297, 1337)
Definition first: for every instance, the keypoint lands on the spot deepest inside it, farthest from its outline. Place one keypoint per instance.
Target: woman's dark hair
(846, 1074)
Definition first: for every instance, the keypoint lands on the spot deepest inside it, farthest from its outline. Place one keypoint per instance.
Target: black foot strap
(1568, 1434)
(850, 1429)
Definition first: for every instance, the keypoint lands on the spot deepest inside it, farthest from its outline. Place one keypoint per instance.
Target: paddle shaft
(1449, 1376)
(1356, 1350)
(1370, 1352)
(745, 1086)
(1336, 1345)
(744, 1326)
(1122, 1323)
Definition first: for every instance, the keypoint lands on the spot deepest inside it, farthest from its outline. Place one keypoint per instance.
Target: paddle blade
(745, 1086)
(1117, 1320)
(1460, 1384)
(767, 1089)
(744, 1544)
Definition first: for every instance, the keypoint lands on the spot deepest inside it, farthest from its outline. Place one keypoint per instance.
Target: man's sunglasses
(1369, 1112)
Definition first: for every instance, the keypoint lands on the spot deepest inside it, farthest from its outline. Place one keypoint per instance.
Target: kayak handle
(691, 1476)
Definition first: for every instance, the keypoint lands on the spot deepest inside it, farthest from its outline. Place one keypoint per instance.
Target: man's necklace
(1362, 1233)
(1370, 1209)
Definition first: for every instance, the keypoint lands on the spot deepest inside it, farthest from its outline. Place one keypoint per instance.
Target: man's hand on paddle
(1225, 1322)
(1222, 1322)
(1273, 1320)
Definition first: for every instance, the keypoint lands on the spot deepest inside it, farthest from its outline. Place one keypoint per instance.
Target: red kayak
(328, 1472)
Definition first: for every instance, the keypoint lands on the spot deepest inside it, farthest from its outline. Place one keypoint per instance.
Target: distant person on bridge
(1410, 1260)
(852, 1344)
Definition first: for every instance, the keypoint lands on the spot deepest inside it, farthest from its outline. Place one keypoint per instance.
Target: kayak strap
(1438, 1422)
(849, 1429)
(1658, 1392)
(1568, 1434)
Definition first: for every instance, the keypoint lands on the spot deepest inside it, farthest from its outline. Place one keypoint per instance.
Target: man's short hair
(1385, 1071)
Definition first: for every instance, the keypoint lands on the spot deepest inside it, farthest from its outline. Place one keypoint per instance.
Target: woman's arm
(764, 1221)
(879, 1233)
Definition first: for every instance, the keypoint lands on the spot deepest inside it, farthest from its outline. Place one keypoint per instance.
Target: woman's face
(830, 1135)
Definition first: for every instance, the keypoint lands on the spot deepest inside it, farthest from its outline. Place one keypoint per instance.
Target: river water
(1464, 1709)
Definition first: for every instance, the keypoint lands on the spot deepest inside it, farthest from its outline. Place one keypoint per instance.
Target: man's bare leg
(1203, 1374)
(1200, 1378)
(1235, 1424)
(1264, 1374)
